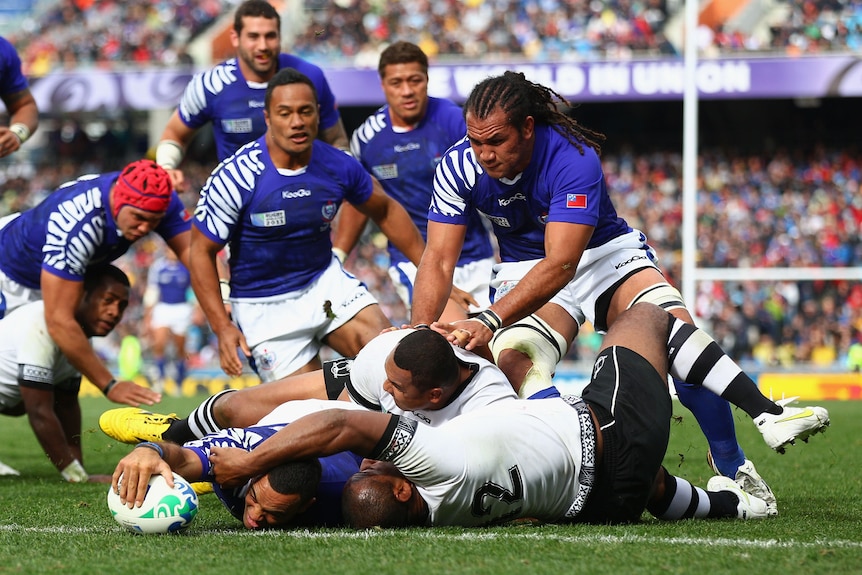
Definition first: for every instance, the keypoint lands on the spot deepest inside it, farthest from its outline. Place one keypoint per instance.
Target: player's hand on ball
(165, 509)
(136, 468)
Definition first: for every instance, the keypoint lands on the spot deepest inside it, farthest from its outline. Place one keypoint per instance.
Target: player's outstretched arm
(171, 149)
(394, 222)
(433, 285)
(148, 459)
(51, 432)
(315, 435)
(335, 135)
(23, 121)
(348, 229)
(205, 283)
(61, 298)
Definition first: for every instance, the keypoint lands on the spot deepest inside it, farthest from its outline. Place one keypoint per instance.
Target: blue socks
(715, 418)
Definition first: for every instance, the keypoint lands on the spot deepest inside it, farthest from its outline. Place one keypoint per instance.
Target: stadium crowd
(814, 26)
(782, 211)
(74, 33)
(353, 32)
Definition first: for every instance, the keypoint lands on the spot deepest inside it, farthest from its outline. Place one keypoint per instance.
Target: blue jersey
(12, 80)
(336, 470)
(559, 185)
(404, 162)
(278, 221)
(234, 105)
(171, 278)
(71, 229)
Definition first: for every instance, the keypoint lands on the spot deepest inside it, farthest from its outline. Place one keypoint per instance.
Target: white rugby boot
(793, 423)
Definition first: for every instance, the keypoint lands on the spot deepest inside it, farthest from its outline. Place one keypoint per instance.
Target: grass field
(47, 526)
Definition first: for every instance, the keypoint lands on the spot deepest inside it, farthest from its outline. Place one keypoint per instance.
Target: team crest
(328, 211)
(504, 288)
(340, 368)
(267, 360)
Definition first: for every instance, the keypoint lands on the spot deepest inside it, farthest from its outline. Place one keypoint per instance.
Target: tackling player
(596, 459)
(401, 145)
(568, 258)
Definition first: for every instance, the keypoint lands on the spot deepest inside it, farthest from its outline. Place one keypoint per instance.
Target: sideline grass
(49, 526)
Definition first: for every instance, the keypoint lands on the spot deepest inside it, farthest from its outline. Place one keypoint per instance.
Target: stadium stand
(780, 211)
(125, 33)
(352, 32)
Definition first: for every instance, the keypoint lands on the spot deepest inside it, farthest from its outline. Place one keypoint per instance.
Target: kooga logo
(628, 261)
(300, 193)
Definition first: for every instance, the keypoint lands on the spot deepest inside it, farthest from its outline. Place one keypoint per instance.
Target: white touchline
(483, 536)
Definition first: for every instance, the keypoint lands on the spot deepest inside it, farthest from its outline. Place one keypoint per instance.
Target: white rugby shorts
(472, 278)
(599, 269)
(177, 317)
(285, 332)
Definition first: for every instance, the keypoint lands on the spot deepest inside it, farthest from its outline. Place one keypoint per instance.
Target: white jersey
(521, 458)
(487, 385)
(28, 352)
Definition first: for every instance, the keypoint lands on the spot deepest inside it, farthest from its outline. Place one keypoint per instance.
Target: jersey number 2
(503, 494)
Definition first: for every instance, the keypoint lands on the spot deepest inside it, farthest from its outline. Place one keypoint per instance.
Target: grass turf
(49, 526)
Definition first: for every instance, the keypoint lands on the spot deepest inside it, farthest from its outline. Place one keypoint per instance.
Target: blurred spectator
(354, 31)
(75, 33)
(854, 353)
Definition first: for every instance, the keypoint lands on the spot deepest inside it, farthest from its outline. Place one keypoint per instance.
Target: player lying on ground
(302, 493)
(398, 391)
(560, 459)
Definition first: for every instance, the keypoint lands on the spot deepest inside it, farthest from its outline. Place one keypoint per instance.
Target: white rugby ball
(164, 510)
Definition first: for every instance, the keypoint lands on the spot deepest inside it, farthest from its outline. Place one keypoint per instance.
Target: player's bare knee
(642, 318)
(229, 408)
(643, 328)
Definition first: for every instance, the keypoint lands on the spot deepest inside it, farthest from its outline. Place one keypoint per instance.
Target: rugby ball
(164, 510)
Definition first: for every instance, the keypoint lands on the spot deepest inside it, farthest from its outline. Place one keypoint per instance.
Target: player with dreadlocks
(568, 258)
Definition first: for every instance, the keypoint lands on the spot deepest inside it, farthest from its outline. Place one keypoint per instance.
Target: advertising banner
(601, 81)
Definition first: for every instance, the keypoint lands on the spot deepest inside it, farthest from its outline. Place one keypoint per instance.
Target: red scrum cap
(144, 185)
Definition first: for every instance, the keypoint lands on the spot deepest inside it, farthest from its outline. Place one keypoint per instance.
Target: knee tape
(663, 295)
(534, 338)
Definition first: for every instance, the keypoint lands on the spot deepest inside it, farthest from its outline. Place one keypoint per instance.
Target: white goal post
(690, 272)
(776, 274)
